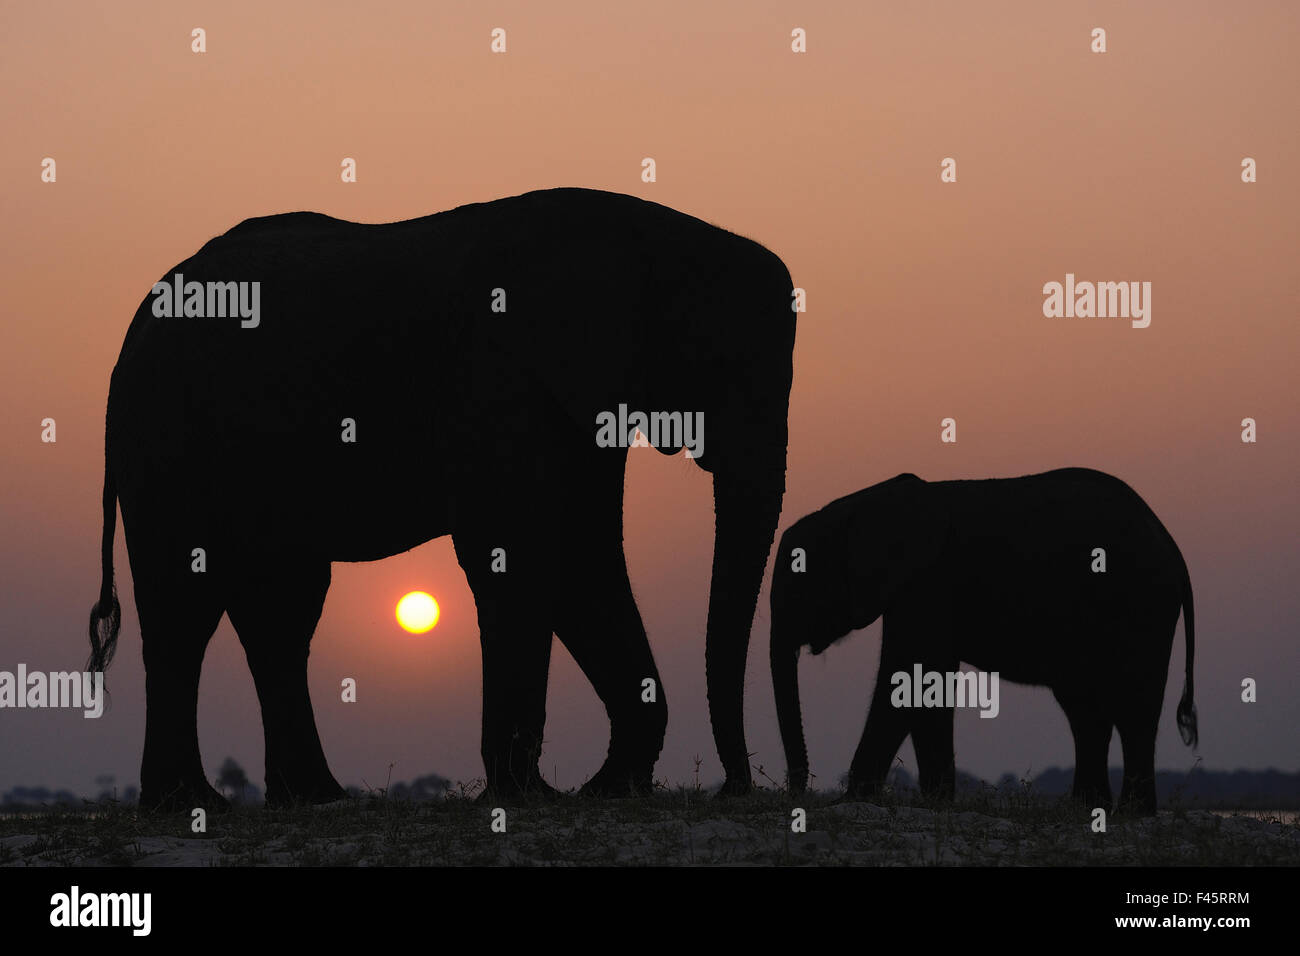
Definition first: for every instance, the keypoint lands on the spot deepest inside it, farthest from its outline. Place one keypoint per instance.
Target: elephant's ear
(896, 530)
(918, 532)
(576, 332)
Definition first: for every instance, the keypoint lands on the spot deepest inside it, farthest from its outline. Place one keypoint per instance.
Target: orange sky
(924, 302)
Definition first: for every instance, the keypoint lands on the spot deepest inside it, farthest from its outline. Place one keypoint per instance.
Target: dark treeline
(1210, 789)
(231, 781)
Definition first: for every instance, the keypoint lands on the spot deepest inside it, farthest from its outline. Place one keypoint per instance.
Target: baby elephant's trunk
(784, 651)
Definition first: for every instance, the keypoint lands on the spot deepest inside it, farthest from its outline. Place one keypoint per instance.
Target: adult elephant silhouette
(472, 351)
(1002, 574)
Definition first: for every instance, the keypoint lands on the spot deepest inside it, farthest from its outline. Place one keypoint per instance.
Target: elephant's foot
(612, 781)
(1133, 805)
(182, 797)
(938, 795)
(736, 785)
(512, 792)
(311, 792)
(1087, 799)
(862, 791)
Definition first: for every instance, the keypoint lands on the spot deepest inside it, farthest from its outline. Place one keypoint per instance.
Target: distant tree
(38, 796)
(232, 780)
(429, 787)
(105, 784)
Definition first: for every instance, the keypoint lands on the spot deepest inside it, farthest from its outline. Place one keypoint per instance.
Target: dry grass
(681, 826)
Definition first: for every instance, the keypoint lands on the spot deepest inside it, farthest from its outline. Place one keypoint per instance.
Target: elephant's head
(710, 334)
(746, 454)
(838, 570)
(745, 402)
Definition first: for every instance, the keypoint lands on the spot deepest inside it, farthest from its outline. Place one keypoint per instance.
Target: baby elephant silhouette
(1064, 580)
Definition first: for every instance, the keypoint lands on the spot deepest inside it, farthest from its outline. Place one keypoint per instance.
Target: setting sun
(417, 612)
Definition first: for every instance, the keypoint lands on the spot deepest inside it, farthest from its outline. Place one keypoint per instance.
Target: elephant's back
(397, 314)
(215, 393)
(1075, 532)
(547, 221)
(1059, 574)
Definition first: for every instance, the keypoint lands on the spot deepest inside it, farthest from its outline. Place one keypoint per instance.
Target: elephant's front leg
(596, 617)
(887, 727)
(516, 664)
(935, 758)
(601, 627)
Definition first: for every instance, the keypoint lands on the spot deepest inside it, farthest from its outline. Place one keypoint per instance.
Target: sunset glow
(924, 301)
(417, 612)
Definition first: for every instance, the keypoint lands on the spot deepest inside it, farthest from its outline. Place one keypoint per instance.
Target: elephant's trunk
(785, 682)
(747, 505)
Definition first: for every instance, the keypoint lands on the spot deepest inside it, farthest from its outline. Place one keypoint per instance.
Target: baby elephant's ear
(930, 525)
(915, 530)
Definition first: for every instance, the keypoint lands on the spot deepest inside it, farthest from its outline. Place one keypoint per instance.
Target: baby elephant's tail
(1186, 708)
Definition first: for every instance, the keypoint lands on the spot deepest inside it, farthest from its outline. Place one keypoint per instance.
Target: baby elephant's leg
(1091, 724)
(887, 727)
(935, 760)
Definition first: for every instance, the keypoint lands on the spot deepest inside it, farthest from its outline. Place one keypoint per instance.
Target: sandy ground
(683, 829)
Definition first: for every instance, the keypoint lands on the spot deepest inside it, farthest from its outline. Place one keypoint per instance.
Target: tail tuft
(1187, 716)
(104, 625)
(1186, 713)
(106, 615)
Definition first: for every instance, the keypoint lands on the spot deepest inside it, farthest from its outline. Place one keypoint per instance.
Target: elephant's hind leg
(1137, 725)
(1138, 717)
(1091, 724)
(936, 761)
(275, 610)
(179, 610)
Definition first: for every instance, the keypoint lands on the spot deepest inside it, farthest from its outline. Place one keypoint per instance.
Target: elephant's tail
(1186, 708)
(106, 615)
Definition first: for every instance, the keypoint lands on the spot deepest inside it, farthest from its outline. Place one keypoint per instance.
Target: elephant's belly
(1042, 646)
(357, 503)
(363, 544)
(384, 511)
